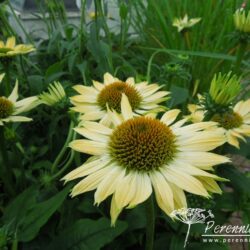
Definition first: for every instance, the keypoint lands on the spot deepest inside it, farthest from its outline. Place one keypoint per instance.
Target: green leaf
(54, 72)
(178, 95)
(39, 214)
(88, 234)
(238, 180)
(16, 210)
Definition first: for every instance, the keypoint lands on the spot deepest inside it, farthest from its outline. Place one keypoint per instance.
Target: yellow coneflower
(140, 154)
(10, 108)
(185, 23)
(93, 101)
(235, 122)
(10, 48)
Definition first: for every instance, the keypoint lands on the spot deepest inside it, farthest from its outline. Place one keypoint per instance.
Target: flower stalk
(150, 228)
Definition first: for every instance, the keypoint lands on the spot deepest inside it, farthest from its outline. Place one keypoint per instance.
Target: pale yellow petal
(87, 168)
(97, 127)
(126, 109)
(131, 81)
(85, 90)
(143, 189)
(202, 160)
(89, 147)
(179, 196)
(109, 183)
(170, 116)
(11, 42)
(99, 86)
(108, 78)
(125, 192)
(92, 116)
(114, 211)
(232, 140)
(163, 192)
(95, 136)
(210, 185)
(14, 94)
(184, 181)
(90, 182)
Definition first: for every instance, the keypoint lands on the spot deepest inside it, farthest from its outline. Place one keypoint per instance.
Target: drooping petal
(163, 192)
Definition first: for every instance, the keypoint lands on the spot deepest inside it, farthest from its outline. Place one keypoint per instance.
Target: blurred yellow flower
(94, 101)
(140, 154)
(242, 20)
(10, 108)
(235, 123)
(185, 23)
(10, 48)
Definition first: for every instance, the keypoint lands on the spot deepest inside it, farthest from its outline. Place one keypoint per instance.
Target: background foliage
(38, 214)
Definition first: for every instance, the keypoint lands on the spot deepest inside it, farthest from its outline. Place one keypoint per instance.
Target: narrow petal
(92, 116)
(114, 211)
(11, 42)
(179, 196)
(89, 147)
(210, 185)
(202, 159)
(85, 90)
(99, 86)
(14, 94)
(232, 140)
(185, 181)
(131, 81)
(163, 192)
(125, 191)
(17, 119)
(91, 182)
(143, 189)
(109, 183)
(95, 136)
(108, 78)
(126, 109)
(87, 168)
(26, 104)
(170, 116)
(97, 127)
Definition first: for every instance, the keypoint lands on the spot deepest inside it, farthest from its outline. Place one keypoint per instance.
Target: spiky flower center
(142, 144)
(112, 95)
(228, 120)
(6, 107)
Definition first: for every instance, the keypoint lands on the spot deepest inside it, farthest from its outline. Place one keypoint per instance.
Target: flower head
(242, 20)
(55, 94)
(10, 48)
(224, 88)
(235, 122)
(139, 154)
(95, 101)
(10, 108)
(185, 23)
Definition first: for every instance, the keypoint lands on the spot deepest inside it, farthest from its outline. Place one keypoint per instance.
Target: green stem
(4, 170)
(14, 244)
(150, 61)
(64, 148)
(187, 39)
(240, 56)
(150, 216)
